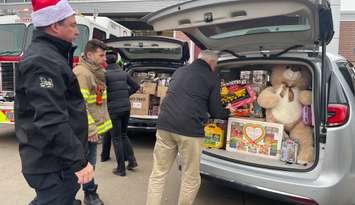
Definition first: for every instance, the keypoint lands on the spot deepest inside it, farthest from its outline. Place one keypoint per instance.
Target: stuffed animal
(283, 102)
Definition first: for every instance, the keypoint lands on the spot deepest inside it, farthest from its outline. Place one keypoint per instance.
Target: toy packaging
(214, 134)
(239, 95)
(272, 114)
(289, 151)
(254, 137)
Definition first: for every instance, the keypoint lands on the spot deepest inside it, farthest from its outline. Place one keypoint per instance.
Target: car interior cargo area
(272, 115)
(154, 84)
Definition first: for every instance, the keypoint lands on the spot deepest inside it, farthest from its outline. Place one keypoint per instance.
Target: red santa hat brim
(52, 14)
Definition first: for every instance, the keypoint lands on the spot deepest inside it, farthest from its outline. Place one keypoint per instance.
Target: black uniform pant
(57, 188)
(122, 144)
(106, 145)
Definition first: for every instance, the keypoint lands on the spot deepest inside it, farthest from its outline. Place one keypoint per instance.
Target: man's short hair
(93, 45)
(209, 55)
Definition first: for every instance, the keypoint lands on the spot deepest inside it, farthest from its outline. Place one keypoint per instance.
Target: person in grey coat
(120, 86)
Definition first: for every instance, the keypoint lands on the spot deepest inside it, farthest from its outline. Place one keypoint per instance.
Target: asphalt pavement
(115, 190)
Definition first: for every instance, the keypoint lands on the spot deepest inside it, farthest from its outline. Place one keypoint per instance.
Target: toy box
(215, 134)
(254, 137)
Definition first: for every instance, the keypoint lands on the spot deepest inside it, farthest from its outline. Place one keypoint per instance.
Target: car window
(99, 34)
(336, 92)
(348, 72)
(274, 24)
(81, 40)
(12, 38)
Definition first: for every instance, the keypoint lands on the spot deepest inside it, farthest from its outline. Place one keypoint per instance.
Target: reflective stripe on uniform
(89, 99)
(104, 95)
(90, 119)
(104, 127)
(85, 93)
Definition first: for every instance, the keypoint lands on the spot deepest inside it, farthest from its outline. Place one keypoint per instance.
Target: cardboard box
(149, 88)
(254, 137)
(161, 92)
(143, 104)
(139, 104)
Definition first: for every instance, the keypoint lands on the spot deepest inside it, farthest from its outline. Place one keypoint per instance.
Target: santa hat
(47, 12)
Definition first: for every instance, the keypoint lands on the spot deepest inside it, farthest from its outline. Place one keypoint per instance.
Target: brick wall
(347, 40)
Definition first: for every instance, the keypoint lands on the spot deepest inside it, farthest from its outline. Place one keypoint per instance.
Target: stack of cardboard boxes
(148, 100)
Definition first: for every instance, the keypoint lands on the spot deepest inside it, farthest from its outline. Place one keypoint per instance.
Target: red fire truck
(15, 36)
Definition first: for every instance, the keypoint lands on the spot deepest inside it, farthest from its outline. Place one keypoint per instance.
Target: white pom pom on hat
(47, 12)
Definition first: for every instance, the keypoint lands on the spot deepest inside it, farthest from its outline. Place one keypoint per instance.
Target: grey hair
(209, 55)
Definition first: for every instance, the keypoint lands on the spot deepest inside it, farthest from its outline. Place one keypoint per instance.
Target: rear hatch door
(146, 48)
(247, 25)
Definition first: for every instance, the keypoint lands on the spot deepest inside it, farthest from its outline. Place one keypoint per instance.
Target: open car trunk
(268, 29)
(151, 60)
(154, 82)
(248, 138)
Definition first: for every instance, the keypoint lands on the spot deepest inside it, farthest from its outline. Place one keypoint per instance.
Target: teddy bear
(283, 102)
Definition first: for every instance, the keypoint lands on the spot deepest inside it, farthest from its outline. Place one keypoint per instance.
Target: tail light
(303, 201)
(338, 114)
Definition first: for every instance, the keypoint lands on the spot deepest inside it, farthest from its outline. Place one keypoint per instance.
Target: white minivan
(263, 34)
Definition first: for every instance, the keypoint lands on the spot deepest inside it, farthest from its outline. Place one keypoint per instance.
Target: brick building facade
(347, 36)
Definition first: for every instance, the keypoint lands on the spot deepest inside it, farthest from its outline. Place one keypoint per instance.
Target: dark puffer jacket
(120, 86)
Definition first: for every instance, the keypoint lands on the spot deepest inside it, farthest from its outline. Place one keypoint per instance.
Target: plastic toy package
(215, 134)
(289, 151)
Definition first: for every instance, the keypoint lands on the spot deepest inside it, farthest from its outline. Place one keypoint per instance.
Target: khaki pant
(167, 146)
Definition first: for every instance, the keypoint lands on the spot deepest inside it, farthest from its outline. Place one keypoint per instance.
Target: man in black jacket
(50, 114)
(192, 97)
(120, 86)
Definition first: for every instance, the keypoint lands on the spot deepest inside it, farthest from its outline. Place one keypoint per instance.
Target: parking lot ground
(115, 190)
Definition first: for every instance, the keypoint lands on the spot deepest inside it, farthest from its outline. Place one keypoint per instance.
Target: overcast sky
(347, 4)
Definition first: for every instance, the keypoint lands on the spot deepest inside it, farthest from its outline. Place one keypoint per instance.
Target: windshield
(11, 39)
(80, 40)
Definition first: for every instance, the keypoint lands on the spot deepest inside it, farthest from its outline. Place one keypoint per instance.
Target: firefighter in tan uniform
(91, 79)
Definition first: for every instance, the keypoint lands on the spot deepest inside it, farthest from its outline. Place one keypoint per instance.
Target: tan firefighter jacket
(92, 85)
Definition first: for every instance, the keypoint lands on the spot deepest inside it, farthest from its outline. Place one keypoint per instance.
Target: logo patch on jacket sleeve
(46, 82)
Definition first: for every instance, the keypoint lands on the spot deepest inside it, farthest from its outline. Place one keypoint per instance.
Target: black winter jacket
(50, 115)
(193, 95)
(120, 86)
